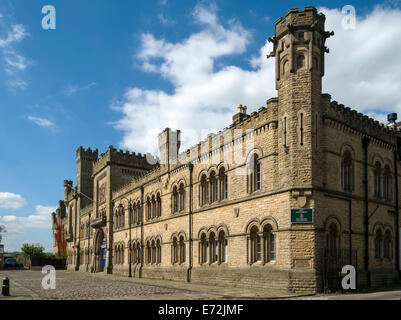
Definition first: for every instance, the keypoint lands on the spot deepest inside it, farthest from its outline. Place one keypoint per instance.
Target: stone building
(281, 199)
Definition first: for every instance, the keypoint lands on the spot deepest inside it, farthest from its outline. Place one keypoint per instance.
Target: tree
(31, 251)
(2, 230)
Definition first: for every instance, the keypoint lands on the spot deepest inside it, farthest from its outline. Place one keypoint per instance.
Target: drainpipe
(110, 242)
(89, 241)
(75, 235)
(365, 143)
(350, 230)
(397, 223)
(191, 167)
(141, 267)
(129, 247)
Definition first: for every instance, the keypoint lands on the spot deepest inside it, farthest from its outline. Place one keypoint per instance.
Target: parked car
(11, 263)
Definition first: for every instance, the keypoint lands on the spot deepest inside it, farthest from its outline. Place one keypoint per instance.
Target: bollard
(5, 290)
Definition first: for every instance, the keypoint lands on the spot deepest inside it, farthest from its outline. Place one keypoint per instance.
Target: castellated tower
(169, 146)
(85, 159)
(299, 48)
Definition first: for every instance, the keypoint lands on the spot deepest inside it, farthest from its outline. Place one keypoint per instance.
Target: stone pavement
(26, 284)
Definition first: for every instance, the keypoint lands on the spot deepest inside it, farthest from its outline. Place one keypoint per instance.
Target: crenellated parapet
(119, 157)
(87, 154)
(340, 115)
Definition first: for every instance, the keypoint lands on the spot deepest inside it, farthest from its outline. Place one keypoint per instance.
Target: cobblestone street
(26, 284)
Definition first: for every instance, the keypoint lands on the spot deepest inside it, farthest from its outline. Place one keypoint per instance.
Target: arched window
(269, 244)
(333, 240)
(203, 249)
(213, 186)
(300, 61)
(174, 251)
(182, 197)
(148, 252)
(158, 252)
(222, 247)
(347, 172)
(138, 212)
(255, 245)
(182, 249)
(148, 208)
(388, 245)
(116, 219)
(378, 243)
(174, 200)
(153, 252)
(223, 184)
(254, 177)
(387, 183)
(378, 180)
(153, 207)
(159, 205)
(213, 248)
(122, 253)
(204, 190)
(286, 66)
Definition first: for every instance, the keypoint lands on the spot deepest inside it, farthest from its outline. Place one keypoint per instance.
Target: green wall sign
(301, 215)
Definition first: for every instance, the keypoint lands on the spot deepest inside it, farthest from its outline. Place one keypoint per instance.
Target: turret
(299, 48)
(85, 159)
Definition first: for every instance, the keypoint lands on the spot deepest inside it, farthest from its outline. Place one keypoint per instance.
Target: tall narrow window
(378, 244)
(203, 190)
(255, 245)
(182, 197)
(285, 132)
(203, 249)
(174, 200)
(148, 208)
(254, 178)
(159, 205)
(333, 239)
(213, 187)
(153, 254)
(222, 184)
(153, 211)
(388, 250)
(301, 128)
(212, 247)
(158, 252)
(174, 251)
(387, 184)
(269, 249)
(347, 172)
(222, 247)
(182, 250)
(378, 180)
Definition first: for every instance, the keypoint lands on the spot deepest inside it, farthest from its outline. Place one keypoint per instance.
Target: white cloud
(72, 89)
(13, 60)
(41, 121)
(19, 84)
(361, 68)
(41, 219)
(203, 97)
(164, 19)
(10, 200)
(359, 73)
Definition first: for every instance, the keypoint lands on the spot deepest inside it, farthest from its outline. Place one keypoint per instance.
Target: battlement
(295, 19)
(121, 157)
(87, 154)
(357, 120)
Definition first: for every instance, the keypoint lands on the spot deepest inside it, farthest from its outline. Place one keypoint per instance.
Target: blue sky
(117, 72)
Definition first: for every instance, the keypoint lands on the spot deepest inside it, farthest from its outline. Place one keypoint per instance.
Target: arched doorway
(100, 252)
